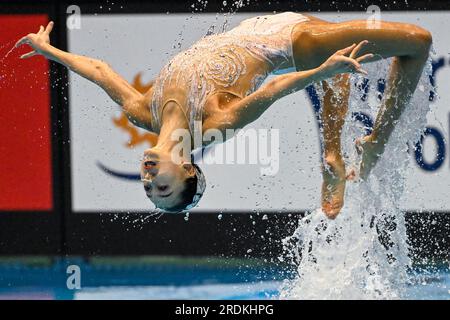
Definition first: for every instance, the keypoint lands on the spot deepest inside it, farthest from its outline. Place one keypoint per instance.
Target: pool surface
(166, 278)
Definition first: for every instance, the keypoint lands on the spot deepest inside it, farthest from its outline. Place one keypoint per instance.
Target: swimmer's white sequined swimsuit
(236, 62)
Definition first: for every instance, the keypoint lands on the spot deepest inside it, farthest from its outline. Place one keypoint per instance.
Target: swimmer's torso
(235, 62)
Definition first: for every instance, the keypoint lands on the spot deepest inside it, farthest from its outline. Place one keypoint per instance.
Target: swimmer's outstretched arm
(134, 103)
(251, 107)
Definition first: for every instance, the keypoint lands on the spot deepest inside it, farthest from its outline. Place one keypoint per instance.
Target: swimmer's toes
(330, 212)
(332, 208)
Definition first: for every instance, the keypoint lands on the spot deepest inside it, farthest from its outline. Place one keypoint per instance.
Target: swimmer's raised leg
(407, 43)
(403, 78)
(335, 106)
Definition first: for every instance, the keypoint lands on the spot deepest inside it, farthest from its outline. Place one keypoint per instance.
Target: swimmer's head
(170, 186)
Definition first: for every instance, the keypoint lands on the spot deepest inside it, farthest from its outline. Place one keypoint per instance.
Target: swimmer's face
(164, 180)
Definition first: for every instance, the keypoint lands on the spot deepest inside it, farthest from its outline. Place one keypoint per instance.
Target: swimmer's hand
(345, 61)
(39, 41)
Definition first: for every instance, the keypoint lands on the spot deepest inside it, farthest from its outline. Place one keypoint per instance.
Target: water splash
(3, 74)
(363, 254)
(8, 53)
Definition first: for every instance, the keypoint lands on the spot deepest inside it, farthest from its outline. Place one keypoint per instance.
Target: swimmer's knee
(422, 39)
(425, 38)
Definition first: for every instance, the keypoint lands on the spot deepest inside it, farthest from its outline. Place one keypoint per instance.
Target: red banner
(25, 123)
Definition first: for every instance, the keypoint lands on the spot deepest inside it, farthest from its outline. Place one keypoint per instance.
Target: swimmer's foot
(371, 151)
(333, 186)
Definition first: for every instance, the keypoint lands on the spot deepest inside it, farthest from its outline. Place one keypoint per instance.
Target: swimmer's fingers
(49, 27)
(362, 71)
(354, 66)
(355, 51)
(22, 41)
(28, 55)
(353, 175)
(347, 50)
(365, 57)
(359, 145)
(27, 39)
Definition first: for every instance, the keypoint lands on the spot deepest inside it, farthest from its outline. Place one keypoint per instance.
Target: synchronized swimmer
(219, 83)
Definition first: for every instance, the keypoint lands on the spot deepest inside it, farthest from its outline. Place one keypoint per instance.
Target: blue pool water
(169, 278)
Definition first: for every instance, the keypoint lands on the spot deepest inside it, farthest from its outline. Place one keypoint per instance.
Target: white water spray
(363, 254)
